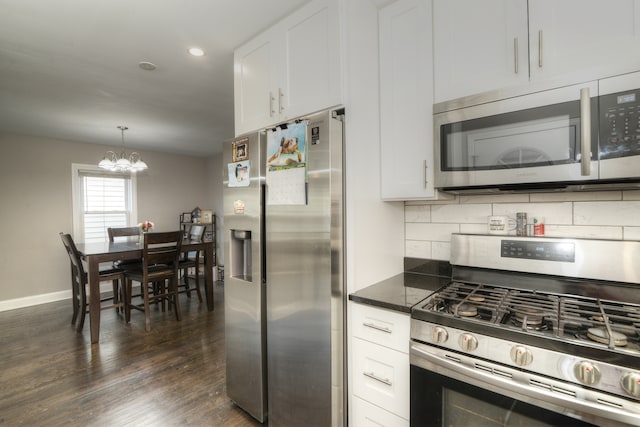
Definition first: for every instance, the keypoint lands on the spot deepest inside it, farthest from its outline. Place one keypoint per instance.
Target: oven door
(450, 389)
(530, 139)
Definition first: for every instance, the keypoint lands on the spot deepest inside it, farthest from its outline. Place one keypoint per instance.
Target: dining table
(96, 253)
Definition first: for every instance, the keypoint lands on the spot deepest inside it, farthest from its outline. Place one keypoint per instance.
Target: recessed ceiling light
(148, 66)
(195, 51)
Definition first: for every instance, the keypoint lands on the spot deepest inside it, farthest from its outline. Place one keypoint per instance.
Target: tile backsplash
(596, 215)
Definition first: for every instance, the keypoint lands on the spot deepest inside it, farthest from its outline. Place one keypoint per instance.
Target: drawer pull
(378, 328)
(377, 378)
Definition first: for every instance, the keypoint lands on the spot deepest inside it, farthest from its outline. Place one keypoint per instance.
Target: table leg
(208, 275)
(94, 298)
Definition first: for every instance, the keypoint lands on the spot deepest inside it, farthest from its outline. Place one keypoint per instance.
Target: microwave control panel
(620, 124)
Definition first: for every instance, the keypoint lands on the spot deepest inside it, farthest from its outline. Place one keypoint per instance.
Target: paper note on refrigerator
(286, 165)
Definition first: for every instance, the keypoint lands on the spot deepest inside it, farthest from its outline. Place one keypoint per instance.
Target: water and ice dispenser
(240, 243)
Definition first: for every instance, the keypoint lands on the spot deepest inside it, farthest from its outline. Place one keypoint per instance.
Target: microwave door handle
(585, 132)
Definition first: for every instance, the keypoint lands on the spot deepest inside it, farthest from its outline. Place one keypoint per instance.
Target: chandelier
(124, 163)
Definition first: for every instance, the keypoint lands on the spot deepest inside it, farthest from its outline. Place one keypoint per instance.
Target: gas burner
(602, 336)
(464, 310)
(476, 298)
(528, 317)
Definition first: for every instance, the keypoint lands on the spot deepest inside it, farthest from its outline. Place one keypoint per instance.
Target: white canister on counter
(538, 226)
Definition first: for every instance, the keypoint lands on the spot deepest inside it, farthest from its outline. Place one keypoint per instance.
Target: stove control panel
(544, 251)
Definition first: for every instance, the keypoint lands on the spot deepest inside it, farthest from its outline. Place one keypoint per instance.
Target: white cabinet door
(290, 70)
(365, 414)
(571, 36)
(381, 376)
(311, 77)
(406, 100)
(384, 327)
(478, 46)
(256, 73)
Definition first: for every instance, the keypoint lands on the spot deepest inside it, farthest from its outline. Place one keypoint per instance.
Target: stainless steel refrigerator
(284, 280)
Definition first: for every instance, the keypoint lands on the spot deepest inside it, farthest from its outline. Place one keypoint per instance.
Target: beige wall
(36, 204)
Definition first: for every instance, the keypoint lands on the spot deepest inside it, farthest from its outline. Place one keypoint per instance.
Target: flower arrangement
(145, 226)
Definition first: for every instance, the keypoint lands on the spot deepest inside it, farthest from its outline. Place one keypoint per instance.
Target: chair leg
(75, 296)
(147, 317)
(173, 292)
(116, 294)
(185, 276)
(198, 281)
(127, 305)
(83, 307)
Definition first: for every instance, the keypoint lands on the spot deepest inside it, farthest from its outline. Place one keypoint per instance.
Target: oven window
(437, 400)
(541, 136)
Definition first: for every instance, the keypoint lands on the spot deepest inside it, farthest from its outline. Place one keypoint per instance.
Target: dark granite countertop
(400, 292)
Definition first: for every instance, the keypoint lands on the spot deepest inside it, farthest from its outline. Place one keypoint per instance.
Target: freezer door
(305, 291)
(244, 282)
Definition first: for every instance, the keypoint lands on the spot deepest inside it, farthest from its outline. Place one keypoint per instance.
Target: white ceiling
(69, 69)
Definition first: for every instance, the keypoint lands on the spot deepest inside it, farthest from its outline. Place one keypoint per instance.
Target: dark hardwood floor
(173, 376)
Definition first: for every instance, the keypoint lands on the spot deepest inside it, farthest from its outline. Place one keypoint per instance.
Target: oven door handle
(507, 381)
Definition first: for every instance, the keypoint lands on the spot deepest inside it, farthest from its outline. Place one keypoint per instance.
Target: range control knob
(440, 335)
(587, 373)
(630, 382)
(468, 342)
(521, 356)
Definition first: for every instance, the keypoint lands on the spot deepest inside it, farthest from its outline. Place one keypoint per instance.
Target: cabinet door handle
(426, 179)
(585, 132)
(377, 378)
(515, 55)
(280, 103)
(378, 328)
(540, 48)
(271, 100)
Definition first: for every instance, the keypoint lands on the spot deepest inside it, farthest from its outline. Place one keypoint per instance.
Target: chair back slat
(127, 232)
(161, 248)
(72, 251)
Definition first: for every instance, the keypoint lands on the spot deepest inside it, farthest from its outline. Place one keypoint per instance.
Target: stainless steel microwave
(572, 137)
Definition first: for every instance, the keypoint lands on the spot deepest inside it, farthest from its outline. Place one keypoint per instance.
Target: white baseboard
(12, 304)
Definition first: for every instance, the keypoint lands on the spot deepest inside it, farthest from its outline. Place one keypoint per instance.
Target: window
(101, 200)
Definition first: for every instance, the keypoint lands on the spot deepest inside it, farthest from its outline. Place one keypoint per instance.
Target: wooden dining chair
(124, 232)
(158, 271)
(79, 282)
(192, 260)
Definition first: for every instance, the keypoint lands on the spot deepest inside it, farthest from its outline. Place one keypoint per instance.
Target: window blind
(106, 203)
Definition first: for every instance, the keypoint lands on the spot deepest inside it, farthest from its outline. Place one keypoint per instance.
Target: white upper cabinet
(478, 46)
(292, 69)
(571, 36)
(406, 100)
(485, 45)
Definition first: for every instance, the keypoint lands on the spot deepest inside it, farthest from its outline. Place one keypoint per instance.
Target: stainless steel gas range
(531, 331)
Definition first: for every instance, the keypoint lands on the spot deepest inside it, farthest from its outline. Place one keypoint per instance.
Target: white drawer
(365, 414)
(381, 376)
(385, 327)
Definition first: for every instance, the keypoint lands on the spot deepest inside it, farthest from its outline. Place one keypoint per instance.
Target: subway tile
(584, 232)
(417, 213)
(495, 198)
(631, 233)
(441, 250)
(417, 249)
(430, 231)
(631, 195)
(554, 213)
(607, 213)
(576, 196)
(461, 213)
(474, 228)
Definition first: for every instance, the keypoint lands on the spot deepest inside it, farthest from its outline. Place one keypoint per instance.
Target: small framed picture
(206, 216)
(240, 150)
(186, 217)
